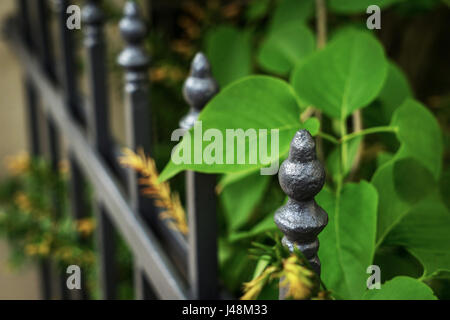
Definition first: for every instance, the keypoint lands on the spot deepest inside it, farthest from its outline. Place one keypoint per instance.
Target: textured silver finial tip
(91, 13)
(200, 86)
(303, 147)
(131, 26)
(301, 177)
(200, 66)
(133, 30)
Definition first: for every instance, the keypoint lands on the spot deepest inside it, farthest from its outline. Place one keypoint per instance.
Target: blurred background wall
(24, 283)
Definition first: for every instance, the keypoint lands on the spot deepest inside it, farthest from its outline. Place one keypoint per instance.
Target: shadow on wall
(20, 284)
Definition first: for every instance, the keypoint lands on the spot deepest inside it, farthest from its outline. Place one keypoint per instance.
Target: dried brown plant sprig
(174, 213)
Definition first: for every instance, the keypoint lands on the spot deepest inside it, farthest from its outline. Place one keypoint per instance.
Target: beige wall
(21, 284)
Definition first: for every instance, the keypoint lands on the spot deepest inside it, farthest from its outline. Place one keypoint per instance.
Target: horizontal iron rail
(156, 265)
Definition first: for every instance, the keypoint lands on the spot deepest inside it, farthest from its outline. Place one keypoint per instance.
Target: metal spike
(198, 89)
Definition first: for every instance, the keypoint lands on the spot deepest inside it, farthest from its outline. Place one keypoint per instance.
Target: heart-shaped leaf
(424, 231)
(419, 134)
(285, 47)
(347, 75)
(401, 288)
(289, 11)
(347, 244)
(257, 103)
(229, 52)
(239, 200)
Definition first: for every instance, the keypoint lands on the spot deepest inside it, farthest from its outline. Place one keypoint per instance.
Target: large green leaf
(395, 91)
(398, 191)
(257, 9)
(401, 288)
(347, 244)
(333, 161)
(347, 75)
(424, 231)
(265, 225)
(419, 134)
(241, 197)
(256, 102)
(289, 11)
(356, 6)
(229, 52)
(285, 47)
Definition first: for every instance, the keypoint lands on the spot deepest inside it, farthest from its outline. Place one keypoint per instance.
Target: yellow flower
(253, 288)
(31, 249)
(18, 164)
(174, 212)
(86, 226)
(299, 280)
(23, 202)
(63, 167)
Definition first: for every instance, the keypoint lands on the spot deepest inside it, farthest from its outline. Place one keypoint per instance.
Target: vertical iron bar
(99, 131)
(198, 89)
(34, 131)
(70, 87)
(135, 61)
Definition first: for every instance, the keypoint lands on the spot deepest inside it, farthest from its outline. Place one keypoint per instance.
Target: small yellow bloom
(86, 226)
(63, 167)
(31, 249)
(23, 202)
(18, 164)
(299, 280)
(253, 288)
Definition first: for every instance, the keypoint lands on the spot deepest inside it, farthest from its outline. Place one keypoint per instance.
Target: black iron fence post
(71, 92)
(135, 60)
(198, 89)
(34, 130)
(98, 125)
(301, 177)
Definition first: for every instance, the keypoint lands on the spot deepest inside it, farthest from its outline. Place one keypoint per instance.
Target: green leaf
(419, 134)
(395, 91)
(229, 52)
(383, 158)
(333, 161)
(285, 47)
(401, 288)
(256, 102)
(289, 11)
(347, 75)
(241, 197)
(347, 244)
(257, 9)
(398, 191)
(357, 6)
(424, 231)
(266, 225)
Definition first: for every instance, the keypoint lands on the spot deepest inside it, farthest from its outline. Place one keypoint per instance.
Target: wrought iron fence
(167, 265)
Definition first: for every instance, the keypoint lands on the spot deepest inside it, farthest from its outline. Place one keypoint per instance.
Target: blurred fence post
(301, 177)
(198, 89)
(98, 125)
(68, 79)
(135, 61)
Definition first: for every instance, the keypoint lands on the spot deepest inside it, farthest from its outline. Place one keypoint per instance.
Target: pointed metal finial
(198, 89)
(133, 30)
(301, 177)
(92, 17)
